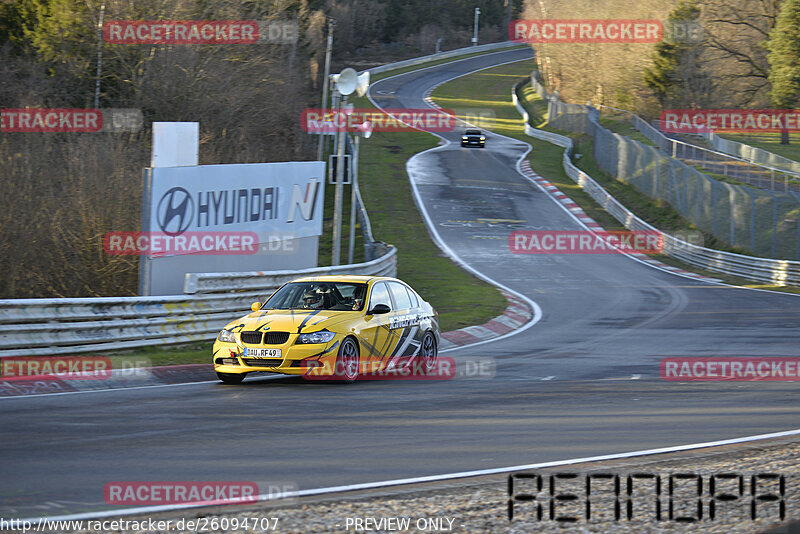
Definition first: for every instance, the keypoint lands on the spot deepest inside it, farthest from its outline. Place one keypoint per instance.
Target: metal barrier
(756, 174)
(777, 272)
(763, 222)
(443, 55)
(42, 327)
(205, 283)
(752, 154)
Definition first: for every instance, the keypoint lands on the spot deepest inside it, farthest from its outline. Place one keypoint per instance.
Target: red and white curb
(517, 314)
(134, 378)
(591, 224)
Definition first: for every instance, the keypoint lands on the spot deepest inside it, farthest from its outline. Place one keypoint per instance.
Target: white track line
(424, 479)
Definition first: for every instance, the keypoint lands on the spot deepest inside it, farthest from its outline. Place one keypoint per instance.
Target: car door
(404, 321)
(378, 338)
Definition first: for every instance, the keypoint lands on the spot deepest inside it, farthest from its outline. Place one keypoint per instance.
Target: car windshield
(473, 132)
(341, 296)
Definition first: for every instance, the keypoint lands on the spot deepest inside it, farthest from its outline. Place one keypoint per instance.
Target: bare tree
(736, 31)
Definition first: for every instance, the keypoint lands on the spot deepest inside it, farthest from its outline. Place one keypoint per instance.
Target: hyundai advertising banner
(225, 218)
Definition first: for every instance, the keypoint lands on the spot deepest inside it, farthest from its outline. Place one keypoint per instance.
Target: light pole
(345, 83)
(365, 130)
(329, 50)
(475, 32)
(337, 196)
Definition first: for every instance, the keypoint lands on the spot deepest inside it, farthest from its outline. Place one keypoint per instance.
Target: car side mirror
(379, 309)
(255, 306)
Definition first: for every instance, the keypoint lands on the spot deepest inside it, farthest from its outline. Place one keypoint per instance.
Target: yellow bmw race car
(331, 327)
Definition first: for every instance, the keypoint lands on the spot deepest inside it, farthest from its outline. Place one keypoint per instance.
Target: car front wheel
(347, 361)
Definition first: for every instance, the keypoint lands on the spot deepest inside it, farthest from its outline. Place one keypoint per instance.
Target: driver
(313, 300)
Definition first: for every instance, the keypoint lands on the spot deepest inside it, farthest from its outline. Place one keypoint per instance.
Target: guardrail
(755, 155)
(204, 283)
(72, 326)
(756, 174)
(443, 55)
(777, 272)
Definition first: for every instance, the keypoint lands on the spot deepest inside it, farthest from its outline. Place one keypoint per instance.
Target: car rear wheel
(428, 353)
(347, 361)
(231, 378)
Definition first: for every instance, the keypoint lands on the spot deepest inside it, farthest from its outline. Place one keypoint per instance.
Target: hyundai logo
(175, 211)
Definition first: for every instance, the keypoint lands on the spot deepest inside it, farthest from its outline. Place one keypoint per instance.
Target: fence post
(732, 203)
(774, 239)
(753, 220)
(714, 205)
(797, 251)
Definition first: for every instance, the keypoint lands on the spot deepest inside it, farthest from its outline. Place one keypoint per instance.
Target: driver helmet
(313, 299)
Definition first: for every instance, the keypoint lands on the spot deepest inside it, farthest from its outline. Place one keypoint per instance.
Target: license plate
(262, 353)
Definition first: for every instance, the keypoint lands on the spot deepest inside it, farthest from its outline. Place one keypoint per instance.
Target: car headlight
(227, 336)
(316, 337)
(483, 138)
(464, 137)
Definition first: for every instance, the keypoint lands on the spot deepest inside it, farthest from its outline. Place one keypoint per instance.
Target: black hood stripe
(303, 324)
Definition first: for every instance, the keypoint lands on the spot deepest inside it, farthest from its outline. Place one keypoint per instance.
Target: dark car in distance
(473, 138)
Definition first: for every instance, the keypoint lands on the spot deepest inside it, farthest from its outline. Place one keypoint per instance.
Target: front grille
(255, 337)
(275, 338)
(252, 338)
(263, 362)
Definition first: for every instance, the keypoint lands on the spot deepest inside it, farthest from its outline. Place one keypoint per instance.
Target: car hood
(293, 321)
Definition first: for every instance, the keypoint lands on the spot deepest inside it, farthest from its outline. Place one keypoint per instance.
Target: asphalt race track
(583, 381)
